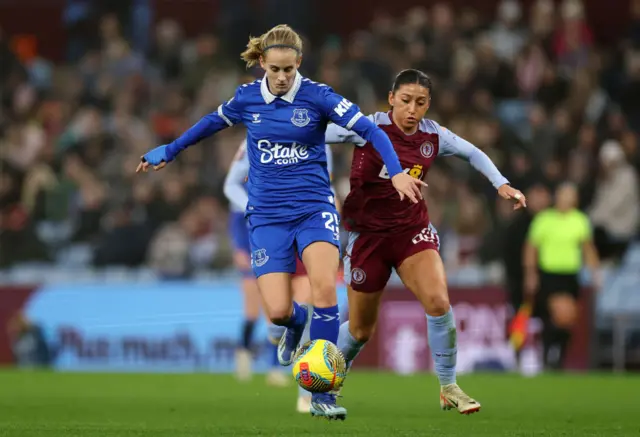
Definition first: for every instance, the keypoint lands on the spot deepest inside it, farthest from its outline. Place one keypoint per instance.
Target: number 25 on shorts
(332, 223)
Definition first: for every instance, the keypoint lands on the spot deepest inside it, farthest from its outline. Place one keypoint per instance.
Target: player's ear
(298, 62)
(391, 98)
(264, 67)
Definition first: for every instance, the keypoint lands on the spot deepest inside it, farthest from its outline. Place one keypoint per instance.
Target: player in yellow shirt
(558, 245)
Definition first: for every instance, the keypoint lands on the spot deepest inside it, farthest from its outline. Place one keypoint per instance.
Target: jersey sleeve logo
(343, 107)
(300, 117)
(427, 150)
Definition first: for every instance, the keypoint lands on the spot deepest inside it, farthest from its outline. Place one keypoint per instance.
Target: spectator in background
(573, 38)
(19, 242)
(207, 60)
(441, 40)
(492, 72)
(542, 21)
(79, 20)
(169, 250)
(582, 165)
(615, 211)
(470, 225)
(124, 242)
(553, 90)
(166, 52)
(507, 37)
(530, 64)
(542, 140)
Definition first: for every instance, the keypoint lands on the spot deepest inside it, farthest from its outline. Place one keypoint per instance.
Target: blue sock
(444, 345)
(247, 333)
(298, 317)
(325, 324)
(274, 356)
(349, 346)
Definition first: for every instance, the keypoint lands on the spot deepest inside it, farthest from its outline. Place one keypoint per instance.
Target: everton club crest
(300, 117)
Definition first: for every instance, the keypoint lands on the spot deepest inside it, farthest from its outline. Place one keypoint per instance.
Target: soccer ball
(319, 366)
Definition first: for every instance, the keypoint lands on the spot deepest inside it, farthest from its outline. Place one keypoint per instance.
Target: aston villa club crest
(358, 276)
(427, 150)
(300, 117)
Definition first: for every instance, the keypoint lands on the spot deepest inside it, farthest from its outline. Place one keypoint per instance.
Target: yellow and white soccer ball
(319, 366)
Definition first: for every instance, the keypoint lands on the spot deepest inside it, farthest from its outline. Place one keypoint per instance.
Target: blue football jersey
(288, 174)
(235, 183)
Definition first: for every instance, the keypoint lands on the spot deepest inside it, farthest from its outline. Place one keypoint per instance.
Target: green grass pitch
(189, 405)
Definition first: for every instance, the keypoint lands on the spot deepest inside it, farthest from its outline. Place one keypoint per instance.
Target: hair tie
(281, 46)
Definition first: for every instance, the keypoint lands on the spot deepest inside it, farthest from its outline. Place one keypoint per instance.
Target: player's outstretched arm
(402, 182)
(233, 187)
(227, 115)
(453, 145)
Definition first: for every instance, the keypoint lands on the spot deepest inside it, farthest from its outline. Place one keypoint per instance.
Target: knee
(564, 314)
(437, 303)
(361, 334)
(323, 292)
(279, 315)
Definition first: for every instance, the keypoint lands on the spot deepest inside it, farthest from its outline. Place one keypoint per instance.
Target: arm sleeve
(330, 167)
(227, 115)
(453, 145)
(234, 182)
(329, 161)
(338, 135)
(344, 113)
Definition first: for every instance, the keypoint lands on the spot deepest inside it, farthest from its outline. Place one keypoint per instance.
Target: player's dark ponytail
(411, 76)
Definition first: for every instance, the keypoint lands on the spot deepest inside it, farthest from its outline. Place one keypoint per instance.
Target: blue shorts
(274, 245)
(239, 231)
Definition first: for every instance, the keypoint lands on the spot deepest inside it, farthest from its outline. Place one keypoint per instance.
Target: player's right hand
(408, 186)
(155, 158)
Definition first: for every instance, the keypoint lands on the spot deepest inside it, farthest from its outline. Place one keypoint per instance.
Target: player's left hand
(408, 186)
(506, 191)
(155, 158)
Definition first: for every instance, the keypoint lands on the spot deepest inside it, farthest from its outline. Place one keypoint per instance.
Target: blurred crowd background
(530, 83)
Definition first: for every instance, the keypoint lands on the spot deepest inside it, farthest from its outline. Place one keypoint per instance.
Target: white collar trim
(288, 97)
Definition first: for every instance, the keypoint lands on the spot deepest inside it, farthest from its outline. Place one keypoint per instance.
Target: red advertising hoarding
(400, 341)
(12, 301)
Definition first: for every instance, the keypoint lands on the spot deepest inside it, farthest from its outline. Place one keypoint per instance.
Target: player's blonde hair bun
(280, 36)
